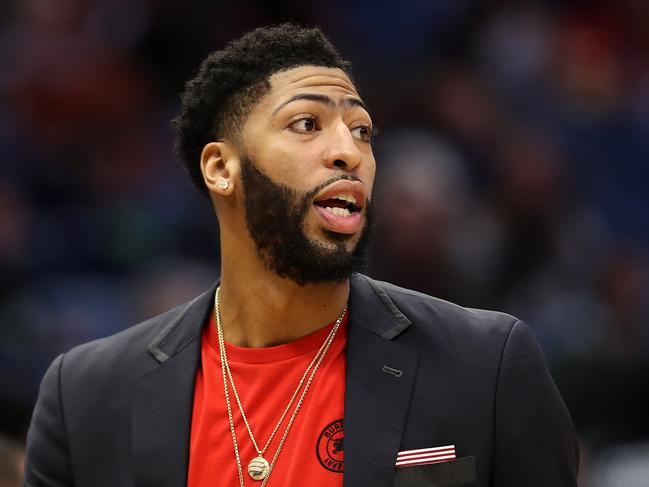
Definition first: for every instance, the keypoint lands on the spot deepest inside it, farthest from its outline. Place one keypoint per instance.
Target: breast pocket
(460, 472)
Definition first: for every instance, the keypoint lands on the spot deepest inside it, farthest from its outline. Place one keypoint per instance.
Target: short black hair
(216, 102)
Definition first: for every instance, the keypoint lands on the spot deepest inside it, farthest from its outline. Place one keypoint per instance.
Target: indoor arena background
(513, 170)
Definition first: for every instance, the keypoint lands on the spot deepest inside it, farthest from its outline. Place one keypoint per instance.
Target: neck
(260, 309)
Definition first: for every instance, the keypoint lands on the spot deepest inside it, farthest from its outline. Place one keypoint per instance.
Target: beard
(276, 219)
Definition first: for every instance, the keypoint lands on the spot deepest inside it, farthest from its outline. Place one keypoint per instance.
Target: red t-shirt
(266, 379)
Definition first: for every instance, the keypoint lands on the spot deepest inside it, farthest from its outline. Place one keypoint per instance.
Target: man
(294, 369)
(12, 458)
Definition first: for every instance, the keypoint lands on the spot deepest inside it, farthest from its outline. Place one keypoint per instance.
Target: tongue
(332, 203)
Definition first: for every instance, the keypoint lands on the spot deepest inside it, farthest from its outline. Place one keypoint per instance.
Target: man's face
(307, 171)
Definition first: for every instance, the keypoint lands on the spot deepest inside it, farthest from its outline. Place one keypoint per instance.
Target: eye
(305, 125)
(364, 133)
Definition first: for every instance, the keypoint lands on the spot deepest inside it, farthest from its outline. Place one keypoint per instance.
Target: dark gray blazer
(117, 411)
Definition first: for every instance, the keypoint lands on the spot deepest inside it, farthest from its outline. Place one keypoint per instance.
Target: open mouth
(340, 206)
(343, 205)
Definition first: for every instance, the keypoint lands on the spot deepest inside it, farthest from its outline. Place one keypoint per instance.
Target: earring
(224, 184)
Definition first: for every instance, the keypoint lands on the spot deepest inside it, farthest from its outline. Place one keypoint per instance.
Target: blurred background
(513, 171)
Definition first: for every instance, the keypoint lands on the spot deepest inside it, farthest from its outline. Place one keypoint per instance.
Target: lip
(344, 186)
(339, 224)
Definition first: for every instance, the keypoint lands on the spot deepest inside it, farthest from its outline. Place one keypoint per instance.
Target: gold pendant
(258, 468)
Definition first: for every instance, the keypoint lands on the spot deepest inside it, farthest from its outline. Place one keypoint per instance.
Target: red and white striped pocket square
(425, 456)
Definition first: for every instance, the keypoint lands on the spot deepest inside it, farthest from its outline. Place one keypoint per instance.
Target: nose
(342, 152)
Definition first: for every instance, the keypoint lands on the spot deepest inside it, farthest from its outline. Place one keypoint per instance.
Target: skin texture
(300, 144)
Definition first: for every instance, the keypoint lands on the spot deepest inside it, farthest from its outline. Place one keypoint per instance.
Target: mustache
(349, 177)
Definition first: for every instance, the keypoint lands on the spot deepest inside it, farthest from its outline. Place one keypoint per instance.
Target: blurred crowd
(513, 174)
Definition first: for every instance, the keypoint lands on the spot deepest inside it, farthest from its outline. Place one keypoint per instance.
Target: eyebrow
(347, 102)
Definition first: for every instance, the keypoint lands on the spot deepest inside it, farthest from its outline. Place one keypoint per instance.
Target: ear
(220, 165)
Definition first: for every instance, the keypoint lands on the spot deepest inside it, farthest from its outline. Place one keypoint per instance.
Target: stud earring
(223, 184)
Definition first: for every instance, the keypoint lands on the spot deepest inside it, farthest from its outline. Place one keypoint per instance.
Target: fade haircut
(217, 101)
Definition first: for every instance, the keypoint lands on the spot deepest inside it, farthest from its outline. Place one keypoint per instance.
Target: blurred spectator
(427, 210)
(12, 460)
(622, 465)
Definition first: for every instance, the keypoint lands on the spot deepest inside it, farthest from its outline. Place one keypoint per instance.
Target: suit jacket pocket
(460, 472)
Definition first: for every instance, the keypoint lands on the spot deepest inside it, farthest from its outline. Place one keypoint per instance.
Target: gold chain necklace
(258, 468)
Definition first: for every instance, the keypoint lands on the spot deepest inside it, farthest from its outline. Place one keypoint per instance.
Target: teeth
(338, 211)
(346, 197)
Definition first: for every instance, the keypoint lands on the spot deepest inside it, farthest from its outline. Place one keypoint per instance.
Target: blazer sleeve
(535, 441)
(47, 461)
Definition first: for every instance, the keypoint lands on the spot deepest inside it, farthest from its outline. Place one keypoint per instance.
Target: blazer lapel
(161, 400)
(379, 379)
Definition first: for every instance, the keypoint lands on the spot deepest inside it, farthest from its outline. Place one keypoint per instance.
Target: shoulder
(442, 330)
(131, 352)
(429, 312)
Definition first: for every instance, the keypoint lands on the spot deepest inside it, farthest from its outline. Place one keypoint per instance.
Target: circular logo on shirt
(330, 446)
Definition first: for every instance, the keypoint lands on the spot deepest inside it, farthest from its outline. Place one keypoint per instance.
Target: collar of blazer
(379, 378)
(370, 308)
